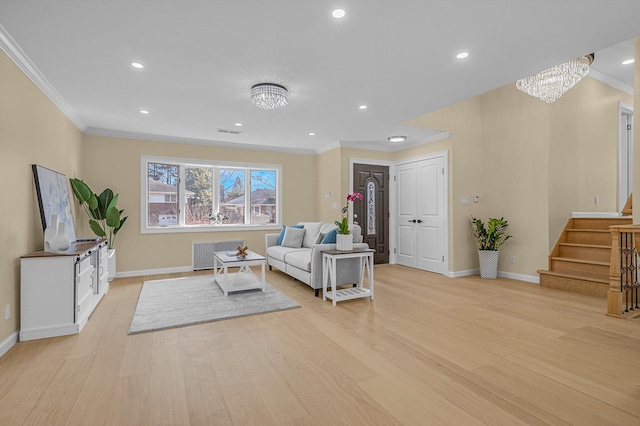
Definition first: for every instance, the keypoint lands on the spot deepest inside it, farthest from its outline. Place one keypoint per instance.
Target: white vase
(55, 237)
(488, 263)
(111, 264)
(344, 242)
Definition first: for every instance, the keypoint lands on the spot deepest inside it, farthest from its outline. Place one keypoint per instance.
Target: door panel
(421, 218)
(372, 213)
(406, 180)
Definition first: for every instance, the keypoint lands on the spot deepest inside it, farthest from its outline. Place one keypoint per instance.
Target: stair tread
(588, 230)
(590, 262)
(601, 246)
(591, 277)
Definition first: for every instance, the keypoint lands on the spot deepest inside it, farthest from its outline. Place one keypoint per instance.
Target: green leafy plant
(343, 225)
(492, 235)
(105, 219)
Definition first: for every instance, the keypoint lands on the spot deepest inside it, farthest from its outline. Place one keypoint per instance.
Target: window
(190, 195)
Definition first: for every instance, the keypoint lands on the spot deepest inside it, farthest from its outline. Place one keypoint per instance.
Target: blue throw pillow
(330, 237)
(284, 228)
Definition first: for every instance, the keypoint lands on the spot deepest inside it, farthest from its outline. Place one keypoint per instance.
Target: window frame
(182, 163)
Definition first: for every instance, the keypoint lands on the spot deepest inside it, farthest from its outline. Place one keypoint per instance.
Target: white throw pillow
(293, 237)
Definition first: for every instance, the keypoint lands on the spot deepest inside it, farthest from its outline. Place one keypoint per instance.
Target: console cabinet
(58, 292)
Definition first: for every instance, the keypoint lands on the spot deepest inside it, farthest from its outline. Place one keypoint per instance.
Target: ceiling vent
(233, 132)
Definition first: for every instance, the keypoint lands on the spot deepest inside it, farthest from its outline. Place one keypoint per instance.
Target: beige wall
(515, 175)
(32, 131)
(115, 163)
(464, 121)
(583, 152)
(328, 180)
(529, 161)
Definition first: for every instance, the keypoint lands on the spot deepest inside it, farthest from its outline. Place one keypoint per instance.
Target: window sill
(209, 228)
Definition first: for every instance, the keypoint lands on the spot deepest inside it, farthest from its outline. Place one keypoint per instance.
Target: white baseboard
(520, 277)
(154, 271)
(450, 274)
(458, 274)
(510, 275)
(8, 343)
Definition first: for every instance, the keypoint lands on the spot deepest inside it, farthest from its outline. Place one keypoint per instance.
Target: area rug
(179, 302)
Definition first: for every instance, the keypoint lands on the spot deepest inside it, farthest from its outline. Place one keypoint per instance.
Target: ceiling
(201, 58)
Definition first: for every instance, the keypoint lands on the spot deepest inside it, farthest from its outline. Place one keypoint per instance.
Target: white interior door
(406, 247)
(431, 218)
(421, 215)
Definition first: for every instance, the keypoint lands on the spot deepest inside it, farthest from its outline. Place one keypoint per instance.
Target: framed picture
(53, 198)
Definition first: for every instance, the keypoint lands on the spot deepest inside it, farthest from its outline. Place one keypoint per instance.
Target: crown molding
(610, 81)
(193, 141)
(20, 58)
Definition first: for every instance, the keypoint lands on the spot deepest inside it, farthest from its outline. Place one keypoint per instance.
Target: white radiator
(202, 252)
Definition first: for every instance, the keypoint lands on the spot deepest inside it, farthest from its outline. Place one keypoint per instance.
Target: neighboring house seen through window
(181, 194)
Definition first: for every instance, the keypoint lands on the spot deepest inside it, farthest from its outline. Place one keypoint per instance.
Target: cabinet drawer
(84, 280)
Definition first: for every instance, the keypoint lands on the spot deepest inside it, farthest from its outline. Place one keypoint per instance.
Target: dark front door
(372, 212)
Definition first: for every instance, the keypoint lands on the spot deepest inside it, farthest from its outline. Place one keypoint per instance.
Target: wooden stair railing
(622, 296)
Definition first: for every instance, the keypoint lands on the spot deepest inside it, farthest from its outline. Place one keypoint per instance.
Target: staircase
(580, 261)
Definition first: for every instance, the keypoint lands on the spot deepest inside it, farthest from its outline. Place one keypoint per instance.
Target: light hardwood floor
(429, 350)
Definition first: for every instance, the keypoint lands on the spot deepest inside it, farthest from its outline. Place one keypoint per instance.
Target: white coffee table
(242, 280)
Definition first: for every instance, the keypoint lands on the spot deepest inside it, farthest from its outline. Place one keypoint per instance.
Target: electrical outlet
(512, 259)
(7, 312)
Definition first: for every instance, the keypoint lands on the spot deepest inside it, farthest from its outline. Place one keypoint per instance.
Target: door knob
(412, 221)
(355, 216)
(419, 221)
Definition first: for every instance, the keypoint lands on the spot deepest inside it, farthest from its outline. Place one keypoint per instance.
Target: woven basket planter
(488, 263)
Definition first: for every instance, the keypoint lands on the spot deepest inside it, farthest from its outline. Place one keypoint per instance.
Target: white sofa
(305, 263)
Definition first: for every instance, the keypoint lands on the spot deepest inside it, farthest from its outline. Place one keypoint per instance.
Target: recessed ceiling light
(338, 13)
(397, 139)
(311, 134)
(362, 107)
(144, 111)
(137, 65)
(238, 124)
(462, 55)
(628, 61)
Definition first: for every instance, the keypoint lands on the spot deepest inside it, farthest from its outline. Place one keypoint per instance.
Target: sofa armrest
(270, 240)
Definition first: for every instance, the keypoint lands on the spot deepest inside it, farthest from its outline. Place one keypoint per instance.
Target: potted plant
(489, 237)
(105, 219)
(344, 239)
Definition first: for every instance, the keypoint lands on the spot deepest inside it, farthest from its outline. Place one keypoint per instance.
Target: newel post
(614, 295)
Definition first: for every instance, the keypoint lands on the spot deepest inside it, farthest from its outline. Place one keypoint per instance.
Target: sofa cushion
(301, 259)
(293, 237)
(284, 228)
(319, 238)
(279, 252)
(312, 231)
(330, 237)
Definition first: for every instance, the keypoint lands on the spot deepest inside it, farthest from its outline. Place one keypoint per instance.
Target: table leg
(263, 278)
(325, 273)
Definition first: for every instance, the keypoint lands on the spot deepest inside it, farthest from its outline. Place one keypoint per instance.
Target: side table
(329, 266)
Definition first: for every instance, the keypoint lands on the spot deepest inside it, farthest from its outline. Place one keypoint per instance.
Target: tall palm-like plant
(492, 235)
(105, 219)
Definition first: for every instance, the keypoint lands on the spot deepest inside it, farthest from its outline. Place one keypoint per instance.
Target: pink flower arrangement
(343, 226)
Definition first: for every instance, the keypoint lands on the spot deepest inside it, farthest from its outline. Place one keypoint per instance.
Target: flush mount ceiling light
(550, 84)
(137, 65)
(269, 95)
(628, 61)
(397, 139)
(338, 13)
(462, 55)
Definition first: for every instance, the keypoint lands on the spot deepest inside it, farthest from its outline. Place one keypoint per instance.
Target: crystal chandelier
(269, 95)
(550, 84)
